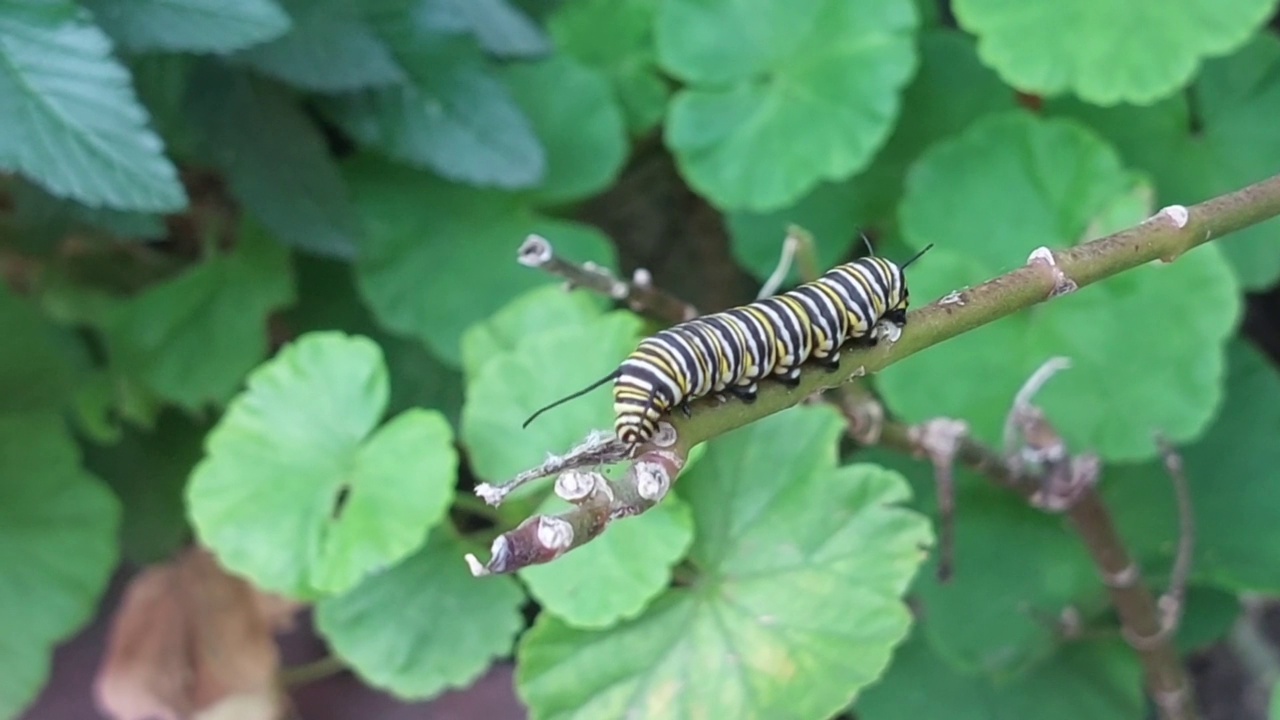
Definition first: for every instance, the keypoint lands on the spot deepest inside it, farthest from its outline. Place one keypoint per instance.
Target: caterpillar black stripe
(732, 351)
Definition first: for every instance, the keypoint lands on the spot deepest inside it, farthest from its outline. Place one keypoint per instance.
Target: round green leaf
(299, 493)
(574, 114)
(782, 94)
(1098, 680)
(1208, 614)
(424, 625)
(1135, 52)
(1231, 473)
(540, 310)
(616, 37)
(1146, 345)
(439, 257)
(1239, 98)
(615, 576)
(58, 546)
(951, 91)
(995, 615)
(801, 566)
(327, 300)
(541, 368)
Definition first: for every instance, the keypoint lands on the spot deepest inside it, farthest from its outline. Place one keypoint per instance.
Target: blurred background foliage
(260, 293)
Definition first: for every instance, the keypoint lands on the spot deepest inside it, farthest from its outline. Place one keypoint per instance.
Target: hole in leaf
(340, 501)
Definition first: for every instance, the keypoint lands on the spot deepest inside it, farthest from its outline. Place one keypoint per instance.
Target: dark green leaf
(1135, 53)
(1232, 472)
(1147, 355)
(329, 49)
(439, 257)
(58, 546)
(192, 339)
(616, 37)
(299, 492)
(1208, 615)
(37, 359)
(45, 219)
(1098, 680)
(189, 25)
(453, 116)
(424, 625)
(277, 162)
(72, 122)
(581, 128)
(502, 29)
(782, 94)
(800, 567)
(148, 471)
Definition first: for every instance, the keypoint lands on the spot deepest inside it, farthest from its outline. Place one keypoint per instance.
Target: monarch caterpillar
(733, 350)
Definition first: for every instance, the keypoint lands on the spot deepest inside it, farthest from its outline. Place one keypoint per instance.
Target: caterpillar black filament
(732, 351)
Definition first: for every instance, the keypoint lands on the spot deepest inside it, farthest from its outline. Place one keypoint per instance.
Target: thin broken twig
(640, 294)
(1171, 603)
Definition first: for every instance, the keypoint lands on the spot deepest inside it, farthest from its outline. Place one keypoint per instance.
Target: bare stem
(640, 294)
(1171, 603)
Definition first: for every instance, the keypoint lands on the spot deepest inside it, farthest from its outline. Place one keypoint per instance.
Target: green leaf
(541, 310)
(950, 91)
(501, 28)
(330, 48)
(1274, 712)
(73, 124)
(1208, 614)
(439, 256)
(997, 614)
(615, 576)
(782, 94)
(327, 300)
(1231, 474)
(299, 492)
(277, 162)
(801, 566)
(212, 26)
(1099, 680)
(58, 547)
(191, 339)
(1239, 99)
(1136, 53)
(454, 116)
(37, 359)
(148, 472)
(542, 367)
(1147, 355)
(424, 625)
(581, 128)
(616, 37)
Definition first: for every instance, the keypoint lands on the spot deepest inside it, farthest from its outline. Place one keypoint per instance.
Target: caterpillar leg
(746, 393)
(831, 362)
(790, 378)
(685, 409)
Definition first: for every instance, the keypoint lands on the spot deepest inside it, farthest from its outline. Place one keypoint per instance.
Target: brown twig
(1037, 465)
(1171, 603)
(640, 294)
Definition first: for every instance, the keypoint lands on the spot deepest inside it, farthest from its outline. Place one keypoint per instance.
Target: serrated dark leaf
(71, 120)
(189, 25)
(501, 29)
(277, 162)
